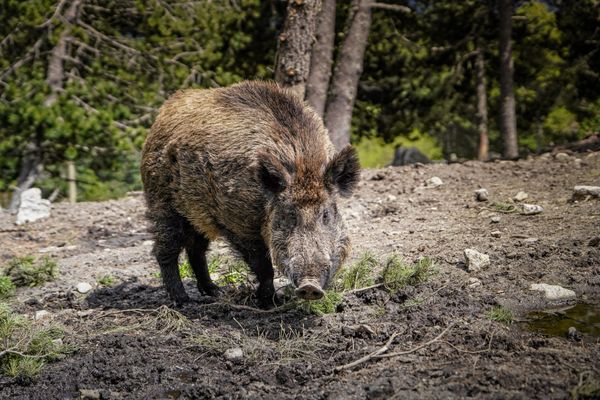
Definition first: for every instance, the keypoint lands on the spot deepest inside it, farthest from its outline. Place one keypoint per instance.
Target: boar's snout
(309, 289)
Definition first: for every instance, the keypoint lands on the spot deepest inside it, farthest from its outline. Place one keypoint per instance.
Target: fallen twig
(419, 347)
(366, 358)
(362, 289)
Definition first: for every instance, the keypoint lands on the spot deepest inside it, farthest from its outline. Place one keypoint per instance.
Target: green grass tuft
(7, 287)
(326, 305)
(28, 347)
(398, 273)
(237, 273)
(360, 273)
(504, 207)
(106, 280)
(26, 271)
(186, 271)
(500, 314)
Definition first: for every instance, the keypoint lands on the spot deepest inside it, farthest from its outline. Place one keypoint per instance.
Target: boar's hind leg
(167, 246)
(195, 247)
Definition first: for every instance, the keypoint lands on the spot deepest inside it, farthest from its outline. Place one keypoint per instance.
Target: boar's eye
(325, 216)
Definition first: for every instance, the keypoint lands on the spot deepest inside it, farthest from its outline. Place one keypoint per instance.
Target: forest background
(81, 80)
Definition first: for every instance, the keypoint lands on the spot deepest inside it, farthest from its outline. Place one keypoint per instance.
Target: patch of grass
(7, 287)
(106, 280)
(587, 388)
(500, 314)
(360, 273)
(326, 305)
(214, 263)
(26, 271)
(25, 348)
(397, 273)
(236, 273)
(169, 320)
(287, 345)
(186, 271)
(506, 208)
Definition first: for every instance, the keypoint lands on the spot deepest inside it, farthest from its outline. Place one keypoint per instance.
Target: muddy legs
(168, 241)
(195, 247)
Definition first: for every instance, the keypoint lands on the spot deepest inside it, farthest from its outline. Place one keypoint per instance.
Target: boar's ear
(343, 171)
(272, 173)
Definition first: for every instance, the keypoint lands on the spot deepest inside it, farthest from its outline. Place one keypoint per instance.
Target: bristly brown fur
(201, 169)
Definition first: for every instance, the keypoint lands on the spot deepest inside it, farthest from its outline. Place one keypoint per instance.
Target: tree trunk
(32, 163)
(295, 43)
(338, 114)
(321, 58)
(508, 119)
(482, 112)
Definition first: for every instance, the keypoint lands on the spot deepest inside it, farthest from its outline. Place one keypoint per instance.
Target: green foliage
(106, 280)
(397, 273)
(500, 314)
(326, 305)
(27, 271)
(28, 347)
(7, 287)
(236, 273)
(359, 274)
(186, 271)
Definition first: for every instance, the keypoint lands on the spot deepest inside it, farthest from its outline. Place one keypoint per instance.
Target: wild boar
(250, 163)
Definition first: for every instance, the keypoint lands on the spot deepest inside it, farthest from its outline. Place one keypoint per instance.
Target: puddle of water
(584, 317)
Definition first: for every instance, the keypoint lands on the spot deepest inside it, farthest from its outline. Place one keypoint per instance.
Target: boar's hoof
(210, 289)
(309, 290)
(180, 299)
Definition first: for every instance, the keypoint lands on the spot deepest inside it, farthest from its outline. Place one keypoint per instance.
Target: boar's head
(305, 232)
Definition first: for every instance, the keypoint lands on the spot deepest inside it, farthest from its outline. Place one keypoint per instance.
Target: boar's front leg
(195, 247)
(260, 263)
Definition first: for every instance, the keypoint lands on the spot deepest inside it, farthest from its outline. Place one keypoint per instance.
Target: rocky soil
(130, 345)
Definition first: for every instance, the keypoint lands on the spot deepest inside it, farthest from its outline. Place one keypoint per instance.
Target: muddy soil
(130, 345)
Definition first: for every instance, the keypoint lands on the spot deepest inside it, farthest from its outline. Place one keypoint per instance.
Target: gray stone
(475, 260)
(582, 192)
(234, 354)
(474, 282)
(89, 393)
(530, 240)
(496, 234)
(481, 194)
(32, 206)
(42, 314)
(433, 182)
(553, 292)
(496, 218)
(83, 287)
(520, 196)
(562, 157)
(530, 209)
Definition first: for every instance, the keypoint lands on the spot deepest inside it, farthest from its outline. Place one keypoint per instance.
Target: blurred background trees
(82, 79)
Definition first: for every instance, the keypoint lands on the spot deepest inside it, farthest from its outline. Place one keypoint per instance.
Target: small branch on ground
(368, 357)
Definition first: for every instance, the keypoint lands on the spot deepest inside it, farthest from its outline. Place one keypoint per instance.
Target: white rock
(42, 314)
(475, 260)
(580, 192)
(147, 242)
(530, 209)
(83, 287)
(481, 194)
(496, 218)
(234, 354)
(562, 157)
(474, 282)
(32, 207)
(281, 282)
(530, 240)
(553, 292)
(433, 182)
(520, 196)
(496, 234)
(391, 197)
(56, 249)
(57, 342)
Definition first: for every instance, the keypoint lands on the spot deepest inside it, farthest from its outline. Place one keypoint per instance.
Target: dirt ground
(130, 346)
